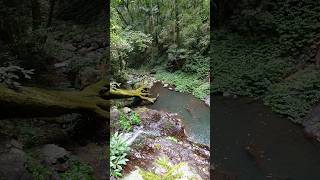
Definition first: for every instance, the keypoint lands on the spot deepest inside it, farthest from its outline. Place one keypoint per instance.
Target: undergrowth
(126, 123)
(295, 96)
(258, 69)
(246, 68)
(119, 149)
(185, 82)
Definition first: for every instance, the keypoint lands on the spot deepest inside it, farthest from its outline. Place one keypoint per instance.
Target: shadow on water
(251, 143)
(194, 112)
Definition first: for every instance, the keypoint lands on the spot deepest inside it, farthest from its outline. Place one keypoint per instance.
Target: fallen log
(34, 102)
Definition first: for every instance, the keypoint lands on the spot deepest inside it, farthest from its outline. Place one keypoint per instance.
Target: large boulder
(13, 161)
(312, 123)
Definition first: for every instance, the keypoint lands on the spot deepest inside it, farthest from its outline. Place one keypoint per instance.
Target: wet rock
(226, 94)
(164, 123)
(61, 64)
(134, 175)
(53, 154)
(170, 88)
(156, 138)
(12, 161)
(165, 85)
(127, 110)
(207, 100)
(15, 144)
(114, 114)
(312, 123)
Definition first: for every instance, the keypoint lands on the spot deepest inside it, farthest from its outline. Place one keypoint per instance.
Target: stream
(194, 112)
(251, 143)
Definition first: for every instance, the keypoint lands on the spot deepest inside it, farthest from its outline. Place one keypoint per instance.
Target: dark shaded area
(80, 11)
(52, 46)
(252, 142)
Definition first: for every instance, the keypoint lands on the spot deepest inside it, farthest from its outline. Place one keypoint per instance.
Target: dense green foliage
(118, 152)
(134, 118)
(78, 171)
(10, 75)
(296, 95)
(126, 123)
(267, 49)
(244, 67)
(171, 34)
(295, 23)
(185, 82)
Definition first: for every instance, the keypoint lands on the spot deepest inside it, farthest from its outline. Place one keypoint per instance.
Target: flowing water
(194, 112)
(252, 143)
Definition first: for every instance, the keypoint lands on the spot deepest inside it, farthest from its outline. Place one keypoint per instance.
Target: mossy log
(33, 102)
(141, 92)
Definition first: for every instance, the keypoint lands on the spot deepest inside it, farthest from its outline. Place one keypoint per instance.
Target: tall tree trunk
(157, 30)
(177, 30)
(121, 17)
(36, 14)
(51, 10)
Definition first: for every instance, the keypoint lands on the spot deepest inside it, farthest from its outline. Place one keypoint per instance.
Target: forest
(266, 89)
(159, 89)
(53, 118)
(89, 94)
(162, 47)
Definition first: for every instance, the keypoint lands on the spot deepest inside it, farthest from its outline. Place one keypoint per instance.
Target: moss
(51, 102)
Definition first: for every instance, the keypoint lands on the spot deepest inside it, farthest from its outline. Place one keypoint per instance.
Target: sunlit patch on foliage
(170, 171)
(185, 82)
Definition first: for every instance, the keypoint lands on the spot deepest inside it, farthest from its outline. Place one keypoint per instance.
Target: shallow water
(283, 151)
(194, 112)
